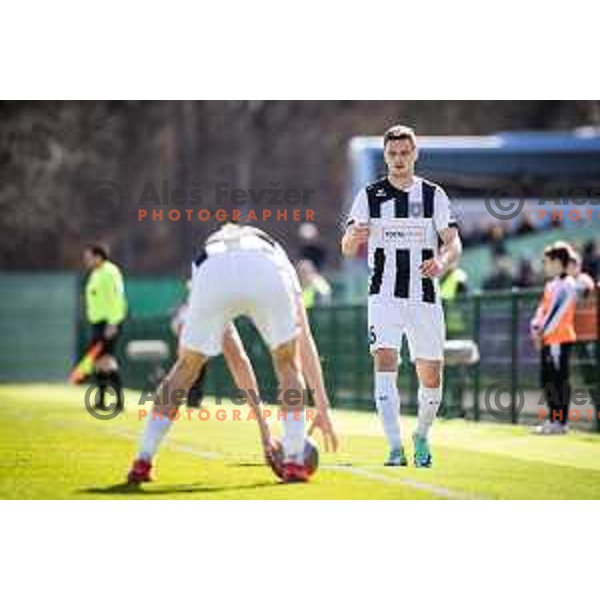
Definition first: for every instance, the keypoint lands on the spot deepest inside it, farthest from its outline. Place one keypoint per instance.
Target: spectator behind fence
(497, 241)
(501, 277)
(591, 260)
(553, 333)
(316, 291)
(526, 225)
(526, 276)
(584, 283)
(454, 285)
(311, 246)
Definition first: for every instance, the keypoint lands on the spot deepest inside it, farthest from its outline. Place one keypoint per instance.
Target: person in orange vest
(553, 332)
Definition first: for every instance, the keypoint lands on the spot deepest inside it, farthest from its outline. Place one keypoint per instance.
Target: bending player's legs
(293, 389)
(272, 307)
(273, 310)
(201, 338)
(171, 393)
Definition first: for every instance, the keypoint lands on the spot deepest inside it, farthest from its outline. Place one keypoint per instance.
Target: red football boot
(140, 471)
(294, 473)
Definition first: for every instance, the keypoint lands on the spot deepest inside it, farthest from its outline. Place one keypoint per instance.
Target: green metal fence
(42, 332)
(497, 322)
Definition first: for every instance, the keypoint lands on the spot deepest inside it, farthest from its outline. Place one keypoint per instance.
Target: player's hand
(110, 331)
(359, 233)
(267, 440)
(273, 456)
(323, 422)
(432, 268)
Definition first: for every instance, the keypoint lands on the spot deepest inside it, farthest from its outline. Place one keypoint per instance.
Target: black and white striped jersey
(404, 231)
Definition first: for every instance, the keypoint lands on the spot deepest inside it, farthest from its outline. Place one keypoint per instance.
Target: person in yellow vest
(105, 309)
(454, 285)
(316, 291)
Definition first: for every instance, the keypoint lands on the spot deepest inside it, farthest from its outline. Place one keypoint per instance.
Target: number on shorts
(372, 335)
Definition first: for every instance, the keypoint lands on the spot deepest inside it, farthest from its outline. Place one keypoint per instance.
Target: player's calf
(289, 375)
(168, 398)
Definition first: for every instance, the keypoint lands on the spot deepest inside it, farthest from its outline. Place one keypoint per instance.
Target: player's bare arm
(356, 235)
(449, 254)
(241, 369)
(313, 374)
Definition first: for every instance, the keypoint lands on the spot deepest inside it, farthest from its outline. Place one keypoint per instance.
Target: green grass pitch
(50, 447)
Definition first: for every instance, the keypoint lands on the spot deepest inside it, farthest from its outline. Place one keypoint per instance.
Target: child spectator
(553, 333)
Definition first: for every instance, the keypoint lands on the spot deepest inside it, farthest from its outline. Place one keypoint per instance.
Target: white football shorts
(230, 284)
(422, 324)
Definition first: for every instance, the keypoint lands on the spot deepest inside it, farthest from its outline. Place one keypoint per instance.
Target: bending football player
(241, 271)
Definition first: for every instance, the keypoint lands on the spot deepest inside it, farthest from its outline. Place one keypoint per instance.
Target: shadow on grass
(162, 490)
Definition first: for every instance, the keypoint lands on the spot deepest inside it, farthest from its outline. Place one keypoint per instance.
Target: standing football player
(412, 240)
(241, 271)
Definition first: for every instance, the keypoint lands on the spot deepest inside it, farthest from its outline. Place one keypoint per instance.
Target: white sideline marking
(419, 485)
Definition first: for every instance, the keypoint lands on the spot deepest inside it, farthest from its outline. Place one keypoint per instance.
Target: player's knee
(285, 358)
(431, 378)
(429, 372)
(189, 364)
(385, 359)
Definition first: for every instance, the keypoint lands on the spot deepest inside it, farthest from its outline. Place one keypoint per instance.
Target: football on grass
(311, 455)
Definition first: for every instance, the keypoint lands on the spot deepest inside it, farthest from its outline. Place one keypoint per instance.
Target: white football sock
(293, 435)
(429, 403)
(387, 400)
(155, 431)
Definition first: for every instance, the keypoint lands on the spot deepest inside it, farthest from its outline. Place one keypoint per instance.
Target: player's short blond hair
(399, 132)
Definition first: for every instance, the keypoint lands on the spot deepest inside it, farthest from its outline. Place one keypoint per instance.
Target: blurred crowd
(526, 271)
(495, 234)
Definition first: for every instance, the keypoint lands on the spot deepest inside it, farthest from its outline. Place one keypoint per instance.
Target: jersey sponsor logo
(405, 234)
